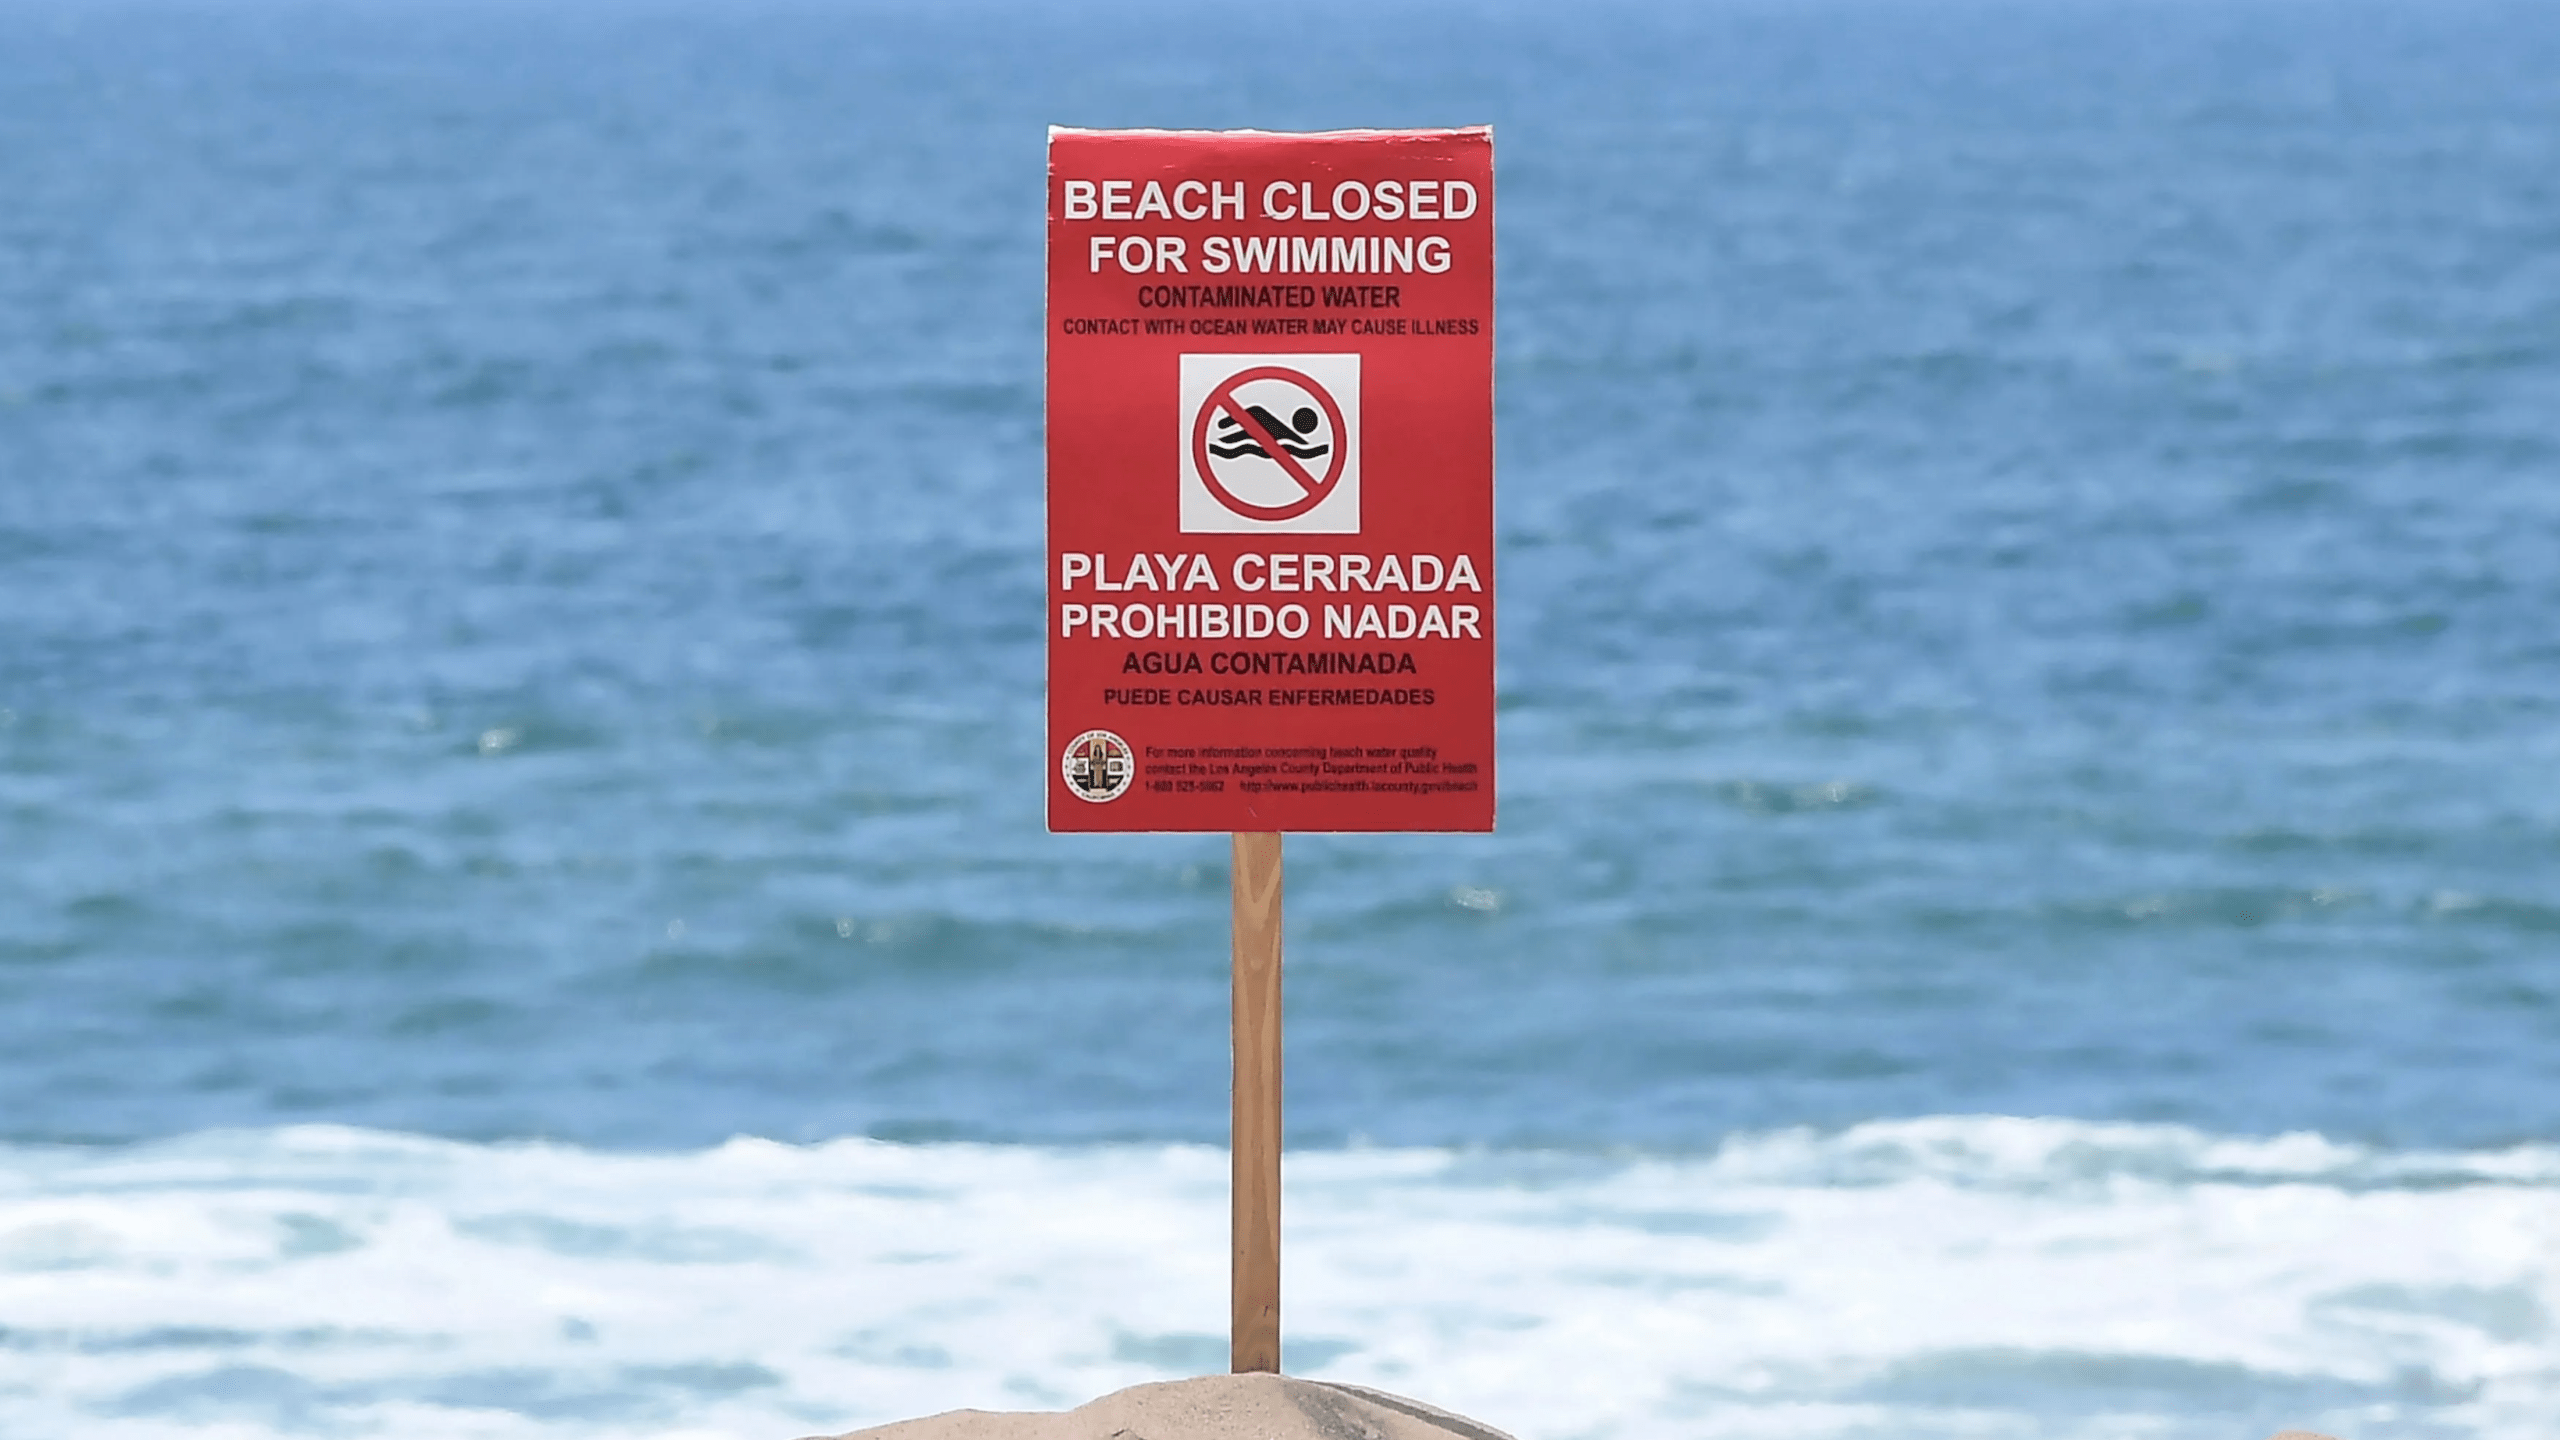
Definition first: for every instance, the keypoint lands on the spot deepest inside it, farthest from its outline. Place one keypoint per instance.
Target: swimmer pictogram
(1237, 437)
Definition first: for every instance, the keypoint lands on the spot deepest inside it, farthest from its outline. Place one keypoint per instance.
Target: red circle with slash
(1224, 398)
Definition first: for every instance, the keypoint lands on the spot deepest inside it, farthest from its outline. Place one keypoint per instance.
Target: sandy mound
(1223, 1407)
(1214, 1407)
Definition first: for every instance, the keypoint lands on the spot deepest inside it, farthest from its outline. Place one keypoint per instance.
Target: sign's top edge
(1436, 133)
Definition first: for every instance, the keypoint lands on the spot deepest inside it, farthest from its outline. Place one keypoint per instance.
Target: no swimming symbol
(1255, 435)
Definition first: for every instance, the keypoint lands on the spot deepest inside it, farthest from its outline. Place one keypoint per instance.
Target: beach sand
(1213, 1407)
(1224, 1407)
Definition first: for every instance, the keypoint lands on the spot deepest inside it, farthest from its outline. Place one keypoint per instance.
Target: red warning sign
(1270, 454)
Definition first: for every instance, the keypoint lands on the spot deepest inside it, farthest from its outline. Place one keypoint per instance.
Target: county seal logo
(1098, 766)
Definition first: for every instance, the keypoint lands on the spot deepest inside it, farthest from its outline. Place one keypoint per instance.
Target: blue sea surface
(2029, 543)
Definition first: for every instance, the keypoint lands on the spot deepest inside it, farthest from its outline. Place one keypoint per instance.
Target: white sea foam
(1956, 1276)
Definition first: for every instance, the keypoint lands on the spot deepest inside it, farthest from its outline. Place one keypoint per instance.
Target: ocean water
(2028, 897)
(1945, 1277)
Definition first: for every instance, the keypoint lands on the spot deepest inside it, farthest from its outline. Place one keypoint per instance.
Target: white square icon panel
(1270, 444)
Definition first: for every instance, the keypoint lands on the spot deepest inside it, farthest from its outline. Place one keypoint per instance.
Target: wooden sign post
(1270, 456)
(1254, 1125)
